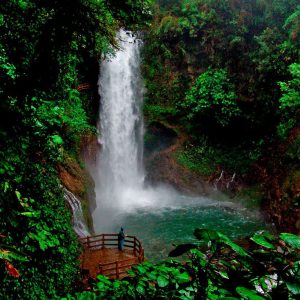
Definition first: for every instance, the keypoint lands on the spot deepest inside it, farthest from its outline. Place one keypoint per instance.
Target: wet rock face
(71, 179)
(158, 138)
(76, 179)
(90, 149)
(161, 167)
(281, 203)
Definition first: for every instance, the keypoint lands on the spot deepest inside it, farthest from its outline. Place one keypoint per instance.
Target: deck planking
(91, 258)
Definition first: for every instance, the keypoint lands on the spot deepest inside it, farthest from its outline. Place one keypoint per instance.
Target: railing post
(88, 242)
(102, 240)
(117, 270)
(134, 247)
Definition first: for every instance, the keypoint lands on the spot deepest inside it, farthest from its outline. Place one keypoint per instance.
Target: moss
(202, 166)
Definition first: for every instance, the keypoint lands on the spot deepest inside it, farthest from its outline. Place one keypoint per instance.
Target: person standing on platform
(121, 239)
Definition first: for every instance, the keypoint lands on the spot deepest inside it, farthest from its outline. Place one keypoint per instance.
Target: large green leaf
(236, 248)
(182, 249)
(294, 287)
(248, 294)
(291, 239)
(261, 240)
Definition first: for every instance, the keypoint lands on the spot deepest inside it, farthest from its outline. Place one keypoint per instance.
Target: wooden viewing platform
(101, 255)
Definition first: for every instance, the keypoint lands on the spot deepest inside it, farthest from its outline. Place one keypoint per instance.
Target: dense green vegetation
(217, 268)
(226, 74)
(218, 67)
(47, 48)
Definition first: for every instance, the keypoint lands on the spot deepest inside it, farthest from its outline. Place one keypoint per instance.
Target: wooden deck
(101, 255)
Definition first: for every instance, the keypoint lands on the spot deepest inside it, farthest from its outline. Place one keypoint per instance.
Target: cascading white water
(121, 123)
(78, 220)
(121, 126)
(120, 174)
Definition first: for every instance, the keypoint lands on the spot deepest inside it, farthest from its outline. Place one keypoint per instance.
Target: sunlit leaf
(294, 287)
(248, 294)
(57, 139)
(232, 245)
(262, 241)
(291, 239)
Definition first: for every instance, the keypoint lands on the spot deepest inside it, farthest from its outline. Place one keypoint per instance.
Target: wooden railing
(117, 268)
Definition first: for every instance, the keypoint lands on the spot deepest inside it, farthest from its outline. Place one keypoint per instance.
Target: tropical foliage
(217, 268)
(47, 48)
(225, 73)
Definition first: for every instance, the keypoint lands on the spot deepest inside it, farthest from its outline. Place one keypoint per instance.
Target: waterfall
(122, 198)
(119, 176)
(121, 126)
(121, 123)
(79, 224)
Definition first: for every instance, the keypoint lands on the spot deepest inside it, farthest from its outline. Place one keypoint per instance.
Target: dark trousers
(121, 245)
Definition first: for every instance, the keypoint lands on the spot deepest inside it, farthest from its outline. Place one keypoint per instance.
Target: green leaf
(140, 289)
(18, 194)
(248, 294)
(291, 239)
(206, 234)
(6, 186)
(57, 139)
(183, 277)
(151, 275)
(294, 287)
(262, 241)
(223, 274)
(181, 249)
(162, 281)
(31, 213)
(141, 269)
(236, 248)
(9, 253)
